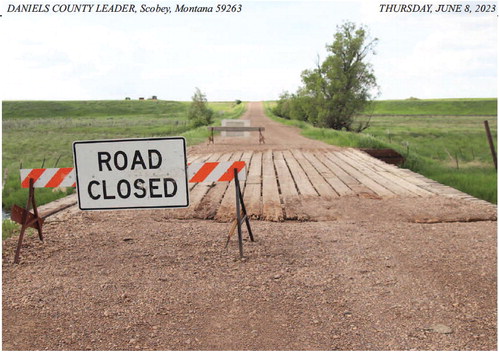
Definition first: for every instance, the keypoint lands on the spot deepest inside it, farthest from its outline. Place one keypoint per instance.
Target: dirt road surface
(373, 278)
(277, 137)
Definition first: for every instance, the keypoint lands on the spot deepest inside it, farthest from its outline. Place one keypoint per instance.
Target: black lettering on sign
(157, 188)
(124, 161)
(173, 191)
(120, 160)
(104, 158)
(137, 159)
(139, 186)
(153, 187)
(104, 190)
(159, 160)
(127, 191)
(90, 193)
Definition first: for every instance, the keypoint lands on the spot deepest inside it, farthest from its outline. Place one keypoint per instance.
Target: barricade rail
(261, 139)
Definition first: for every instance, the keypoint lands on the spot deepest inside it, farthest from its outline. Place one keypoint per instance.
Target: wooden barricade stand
(241, 216)
(27, 219)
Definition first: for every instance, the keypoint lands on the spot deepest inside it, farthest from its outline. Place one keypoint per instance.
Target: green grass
(37, 133)
(93, 108)
(452, 107)
(452, 150)
(9, 228)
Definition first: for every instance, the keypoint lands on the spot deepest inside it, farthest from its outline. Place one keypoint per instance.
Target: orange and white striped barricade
(66, 177)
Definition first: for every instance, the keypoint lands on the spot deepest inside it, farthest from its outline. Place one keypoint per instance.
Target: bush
(199, 113)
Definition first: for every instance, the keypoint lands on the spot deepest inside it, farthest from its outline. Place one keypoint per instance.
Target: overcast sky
(252, 55)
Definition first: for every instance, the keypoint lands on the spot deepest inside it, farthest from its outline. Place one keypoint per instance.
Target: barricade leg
(26, 221)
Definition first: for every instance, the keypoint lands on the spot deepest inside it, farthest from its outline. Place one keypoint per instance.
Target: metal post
(246, 218)
(491, 143)
(238, 214)
(26, 222)
(38, 221)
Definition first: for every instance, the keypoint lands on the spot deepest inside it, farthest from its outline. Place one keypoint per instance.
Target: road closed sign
(131, 173)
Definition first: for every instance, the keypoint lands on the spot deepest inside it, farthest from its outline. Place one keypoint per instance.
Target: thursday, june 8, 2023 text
(452, 8)
(123, 8)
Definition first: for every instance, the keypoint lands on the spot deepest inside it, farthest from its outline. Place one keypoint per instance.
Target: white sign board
(235, 123)
(131, 173)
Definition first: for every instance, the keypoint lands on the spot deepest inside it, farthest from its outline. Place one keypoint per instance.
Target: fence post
(491, 143)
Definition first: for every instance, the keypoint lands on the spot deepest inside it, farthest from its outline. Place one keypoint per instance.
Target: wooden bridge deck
(277, 179)
(309, 184)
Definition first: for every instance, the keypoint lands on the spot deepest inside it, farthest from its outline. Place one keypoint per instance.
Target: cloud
(254, 55)
(456, 57)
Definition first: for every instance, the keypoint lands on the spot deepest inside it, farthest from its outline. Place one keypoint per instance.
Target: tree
(199, 113)
(341, 86)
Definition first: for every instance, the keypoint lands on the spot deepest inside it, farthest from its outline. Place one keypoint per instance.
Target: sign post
(131, 173)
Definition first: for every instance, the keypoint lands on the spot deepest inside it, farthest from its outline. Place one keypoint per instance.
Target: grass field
(37, 133)
(452, 150)
(449, 107)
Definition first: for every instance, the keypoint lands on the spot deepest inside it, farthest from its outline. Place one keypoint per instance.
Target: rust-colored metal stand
(241, 216)
(211, 138)
(27, 219)
(261, 138)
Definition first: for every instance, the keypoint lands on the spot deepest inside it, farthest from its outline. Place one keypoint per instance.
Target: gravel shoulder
(137, 281)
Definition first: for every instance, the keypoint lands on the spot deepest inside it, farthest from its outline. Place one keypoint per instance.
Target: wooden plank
(390, 171)
(195, 157)
(363, 167)
(418, 180)
(253, 187)
(227, 209)
(302, 182)
(47, 210)
(362, 178)
(286, 182)
(408, 176)
(340, 188)
(210, 203)
(270, 192)
(435, 187)
(287, 186)
(351, 182)
(318, 182)
(393, 183)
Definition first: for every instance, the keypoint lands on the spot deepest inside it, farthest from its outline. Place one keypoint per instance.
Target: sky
(253, 55)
